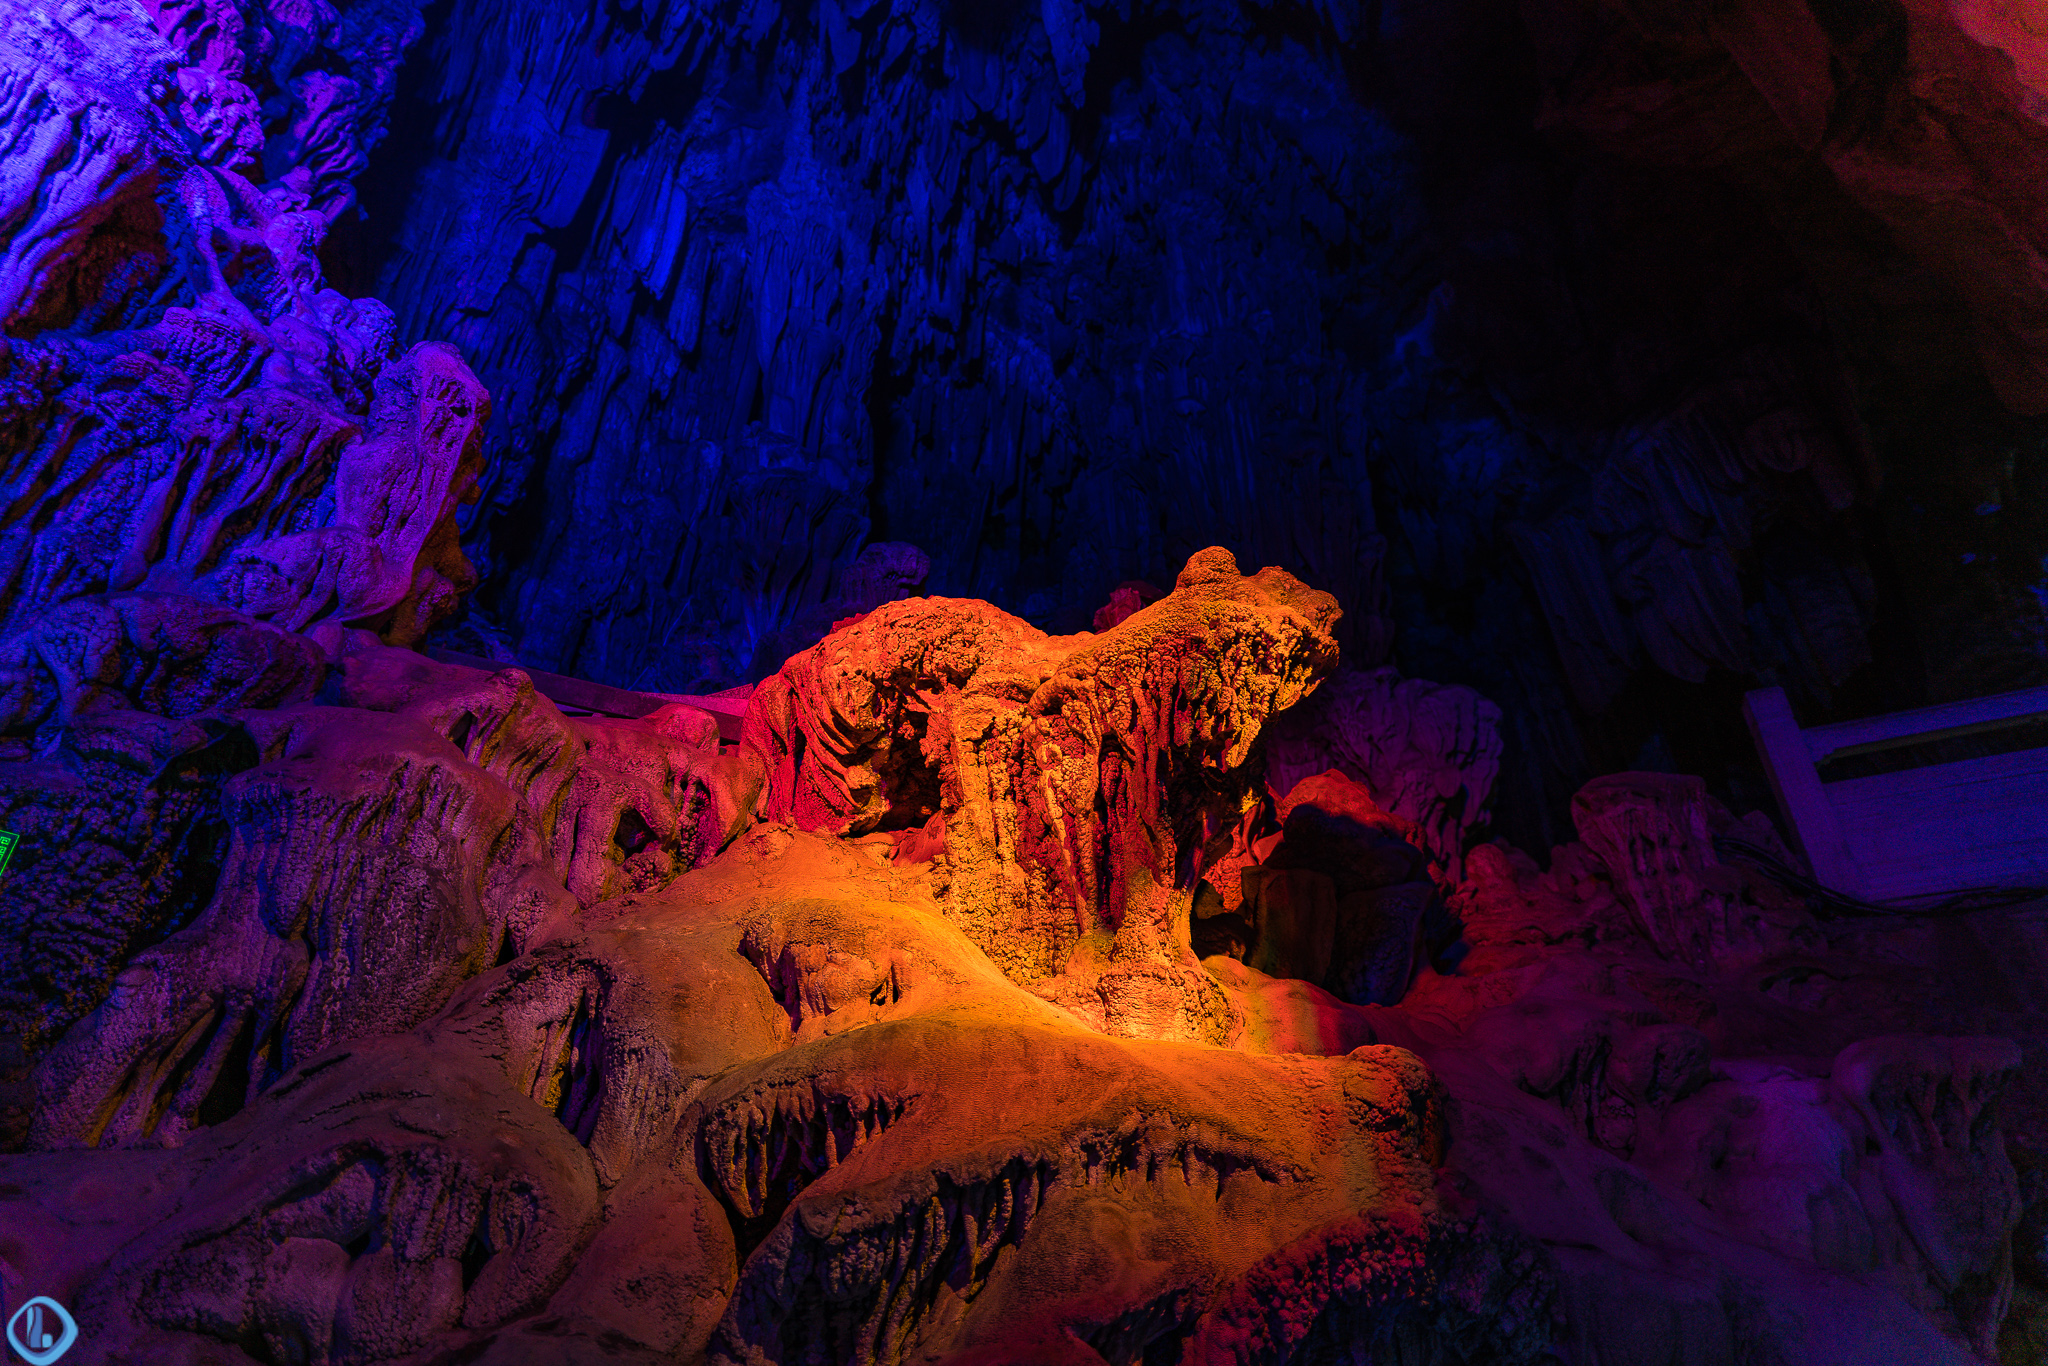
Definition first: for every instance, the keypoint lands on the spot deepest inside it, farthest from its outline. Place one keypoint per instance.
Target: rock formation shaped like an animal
(1079, 782)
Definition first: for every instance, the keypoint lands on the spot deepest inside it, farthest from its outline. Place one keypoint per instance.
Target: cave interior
(1067, 683)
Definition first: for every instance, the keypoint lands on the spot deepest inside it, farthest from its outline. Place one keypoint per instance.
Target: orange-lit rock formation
(1080, 782)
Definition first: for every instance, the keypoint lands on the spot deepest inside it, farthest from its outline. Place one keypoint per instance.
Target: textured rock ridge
(740, 1131)
(1079, 782)
(339, 868)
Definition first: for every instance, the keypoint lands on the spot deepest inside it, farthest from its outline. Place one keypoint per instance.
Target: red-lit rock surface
(504, 1036)
(1079, 782)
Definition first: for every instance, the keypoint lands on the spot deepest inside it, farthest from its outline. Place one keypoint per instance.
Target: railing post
(1801, 797)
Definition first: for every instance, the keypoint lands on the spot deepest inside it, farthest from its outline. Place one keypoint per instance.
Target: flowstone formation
(1077, 784)
(505, 1036)
(490, 1034)
(214, 470)
(216, 473)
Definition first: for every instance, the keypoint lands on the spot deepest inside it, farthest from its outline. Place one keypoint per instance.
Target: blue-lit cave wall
(1579, 369)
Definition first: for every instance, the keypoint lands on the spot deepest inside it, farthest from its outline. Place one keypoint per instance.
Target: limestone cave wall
(1607, 361)
(1227, 537)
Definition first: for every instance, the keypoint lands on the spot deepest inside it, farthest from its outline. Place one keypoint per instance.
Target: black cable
(1829, 904)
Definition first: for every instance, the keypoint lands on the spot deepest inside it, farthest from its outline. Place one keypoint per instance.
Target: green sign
(8, 839)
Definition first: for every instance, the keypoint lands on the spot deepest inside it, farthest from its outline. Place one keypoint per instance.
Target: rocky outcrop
(701, 1119)
(187, 409)
(1426, 752)
(730, 1144)
(216, 470)
(426, 1019)
(1078, 781)
(248, 831)
(206, 899)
